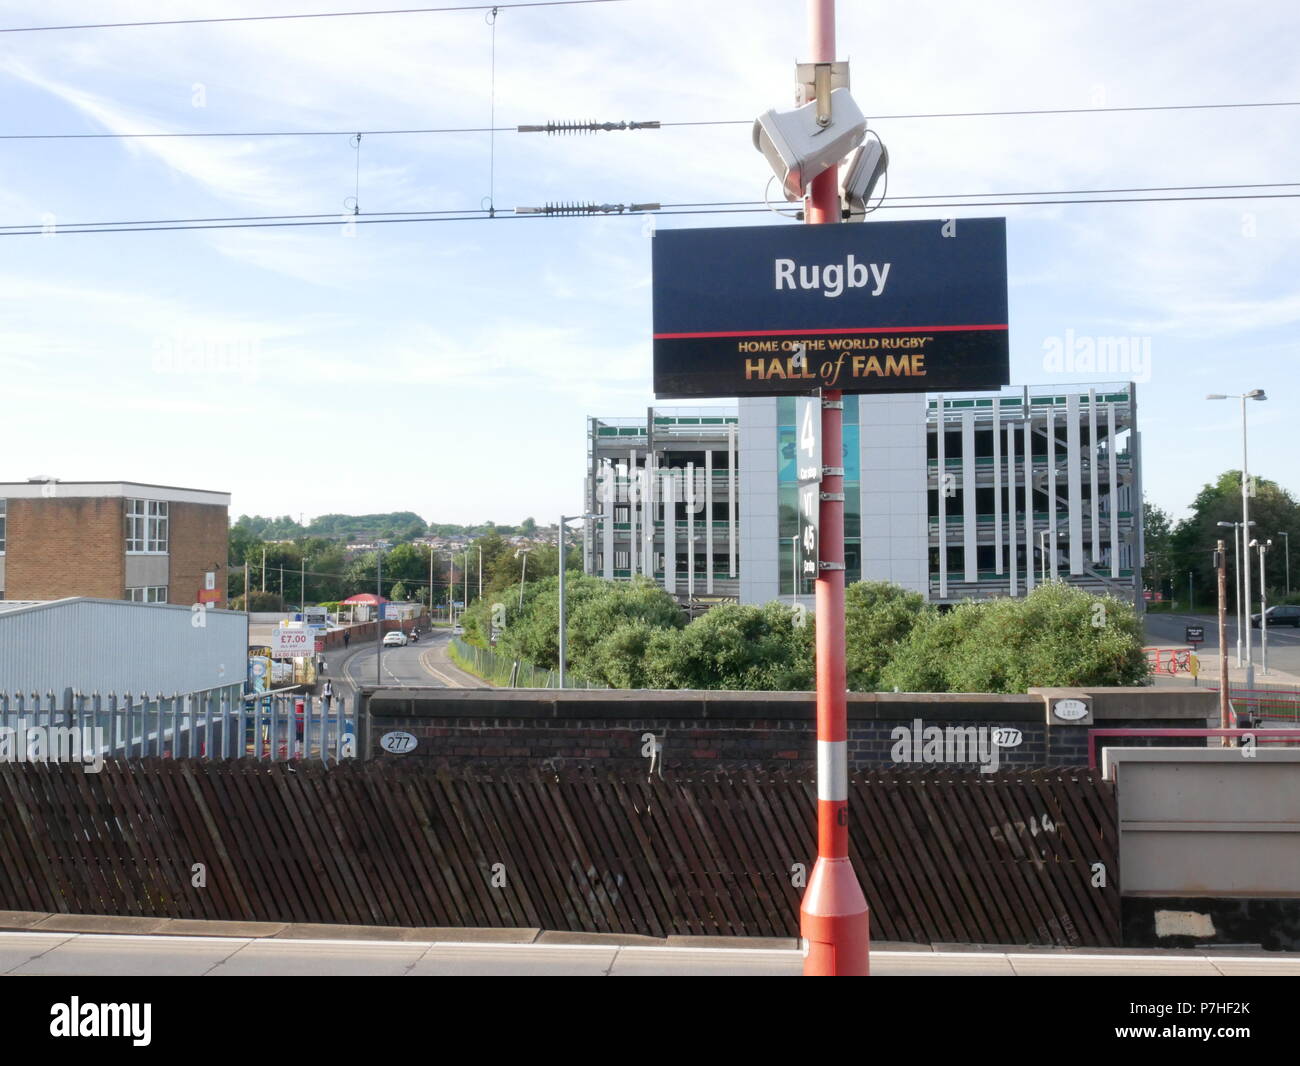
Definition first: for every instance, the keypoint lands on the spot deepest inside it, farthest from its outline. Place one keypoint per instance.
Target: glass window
(148, 594)
(146, 525)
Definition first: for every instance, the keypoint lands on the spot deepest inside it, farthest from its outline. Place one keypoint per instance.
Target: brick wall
(198, 538)
(737, 730)
(60, 547)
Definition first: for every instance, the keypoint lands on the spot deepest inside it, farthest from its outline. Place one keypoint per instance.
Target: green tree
(878, 617)
(1272, 509)
(919, 662)
(609, 631)
(1157, 534)
(734, 646)
(1057, 635)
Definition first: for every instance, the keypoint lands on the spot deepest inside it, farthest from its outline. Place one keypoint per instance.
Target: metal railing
(216, 723)
(505, 672)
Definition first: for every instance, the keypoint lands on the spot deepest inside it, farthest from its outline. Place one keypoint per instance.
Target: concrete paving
(99, 954)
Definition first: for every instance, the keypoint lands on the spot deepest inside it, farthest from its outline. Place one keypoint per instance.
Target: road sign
(808, 438)
(1194, 635)
(879, 307)
(809, 539)
(289, 643)
(315, 616)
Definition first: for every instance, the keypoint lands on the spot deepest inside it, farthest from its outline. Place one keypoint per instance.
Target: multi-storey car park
(1031, 484)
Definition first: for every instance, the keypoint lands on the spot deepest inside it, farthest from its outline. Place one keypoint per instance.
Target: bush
(878, 618)
(259, 602)
(1058, 635)
(734, 647)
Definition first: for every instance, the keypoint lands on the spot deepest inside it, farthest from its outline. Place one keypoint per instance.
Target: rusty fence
(1015, 857)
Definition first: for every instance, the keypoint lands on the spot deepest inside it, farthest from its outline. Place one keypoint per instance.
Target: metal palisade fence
(508, 673)
(215, 723)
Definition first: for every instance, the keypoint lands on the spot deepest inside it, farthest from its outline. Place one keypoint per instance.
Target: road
(88, 954)
(424, 664)
(1283, 643)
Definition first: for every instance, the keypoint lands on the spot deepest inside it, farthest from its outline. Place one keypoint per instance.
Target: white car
(395, 639)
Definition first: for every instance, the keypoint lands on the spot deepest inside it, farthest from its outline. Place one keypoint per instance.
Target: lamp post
(451, 587)
(522, 553)
(1043, 534)
(1263, 546)
(1236, 576)
(794, 571)
(1287, 549)
(559, 536)
(1190, 605)
(1257, 395)
(379, 611)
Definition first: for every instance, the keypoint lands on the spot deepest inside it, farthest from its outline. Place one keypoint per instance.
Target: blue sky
(447, 368)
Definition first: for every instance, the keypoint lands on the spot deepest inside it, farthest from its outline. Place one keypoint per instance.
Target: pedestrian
(347, 637)
(327, 692)
(321, 667)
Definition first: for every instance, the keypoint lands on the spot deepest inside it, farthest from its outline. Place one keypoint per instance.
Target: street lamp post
(1263, 546)
(559, 536)
(1257, 395)
(794, 571)
(1236, 576)
(379, 612)
(523, 573)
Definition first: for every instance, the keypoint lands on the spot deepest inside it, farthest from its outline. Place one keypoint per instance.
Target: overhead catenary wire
(483, 216)
(698, 207)
(560, 127)
(1023, 112)
(302, 15)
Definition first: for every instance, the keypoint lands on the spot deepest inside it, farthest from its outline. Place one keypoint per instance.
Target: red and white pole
(833, 918)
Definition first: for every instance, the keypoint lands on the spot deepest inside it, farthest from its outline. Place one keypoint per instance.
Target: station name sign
(871, 307)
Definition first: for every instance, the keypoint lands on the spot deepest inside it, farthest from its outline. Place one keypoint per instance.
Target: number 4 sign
(808, 427)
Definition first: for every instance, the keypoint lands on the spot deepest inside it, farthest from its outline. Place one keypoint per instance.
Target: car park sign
(289, 643)
(873, 307)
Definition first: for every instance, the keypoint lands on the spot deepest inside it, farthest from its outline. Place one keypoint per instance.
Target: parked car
(395, 639)
(1286, 614)
(459, 630)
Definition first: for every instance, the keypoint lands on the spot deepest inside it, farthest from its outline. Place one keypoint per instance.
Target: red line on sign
(815, 332)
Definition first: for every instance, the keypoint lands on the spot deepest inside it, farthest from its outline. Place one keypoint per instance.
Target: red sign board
(209, 596)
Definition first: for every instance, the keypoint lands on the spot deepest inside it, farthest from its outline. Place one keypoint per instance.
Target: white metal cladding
(1094, 499)
(969, 521)
(942, 485)
(997, 485)
(1074, 483)
(1028, 451)
(115, 646)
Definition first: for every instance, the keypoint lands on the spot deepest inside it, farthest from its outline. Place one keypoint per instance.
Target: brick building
(115, 540)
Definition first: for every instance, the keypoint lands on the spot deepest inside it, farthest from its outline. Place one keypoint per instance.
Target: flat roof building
(115, 540)
(1028, 484)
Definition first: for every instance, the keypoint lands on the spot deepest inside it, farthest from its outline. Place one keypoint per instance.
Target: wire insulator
(576, 127)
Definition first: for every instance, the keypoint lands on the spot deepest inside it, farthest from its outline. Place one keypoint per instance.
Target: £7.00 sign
(289, 643)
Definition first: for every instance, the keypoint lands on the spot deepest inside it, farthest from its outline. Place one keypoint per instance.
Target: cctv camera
(865, 169)
(798, 148)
